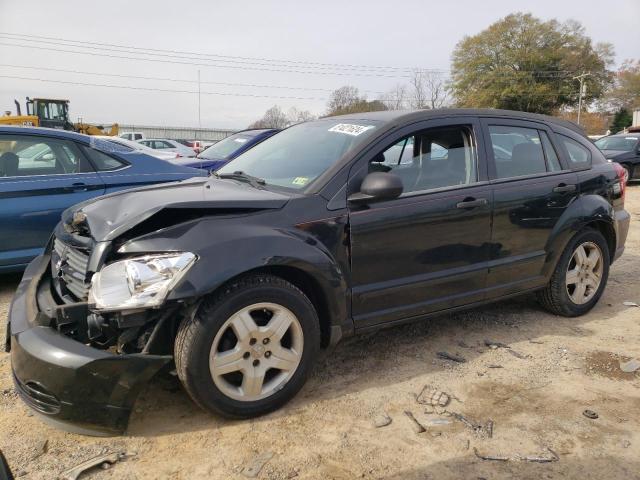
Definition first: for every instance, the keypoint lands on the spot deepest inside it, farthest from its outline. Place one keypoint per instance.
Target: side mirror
(47, 157)
(378, 186)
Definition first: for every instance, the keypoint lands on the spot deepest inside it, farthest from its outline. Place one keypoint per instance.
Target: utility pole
(583, 91)
(199, 118)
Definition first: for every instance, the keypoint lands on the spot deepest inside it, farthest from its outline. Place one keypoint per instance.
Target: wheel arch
(588, 211)
(305, 264)
(309, 285)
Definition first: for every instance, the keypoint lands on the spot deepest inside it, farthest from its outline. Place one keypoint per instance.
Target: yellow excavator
(52, 113)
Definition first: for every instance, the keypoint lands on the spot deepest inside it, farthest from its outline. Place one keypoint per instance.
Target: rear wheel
(249, 348)
(580, 276)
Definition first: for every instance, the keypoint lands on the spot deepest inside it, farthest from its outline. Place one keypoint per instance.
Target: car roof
(409, 116)
(630, 134)
(49, 132)
(256, 131)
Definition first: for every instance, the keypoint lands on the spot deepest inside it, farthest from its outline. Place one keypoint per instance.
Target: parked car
(133, 136)
(129, 145)
(323, 231)
(623, 149)
(195, 145)
(166, 145)
(44, 171)
(218, 154)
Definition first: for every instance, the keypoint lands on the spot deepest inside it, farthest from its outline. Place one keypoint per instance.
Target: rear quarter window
(578, 155)
(102, 161)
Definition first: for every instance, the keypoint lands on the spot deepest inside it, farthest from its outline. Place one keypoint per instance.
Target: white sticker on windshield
(240, 140)
(350, 129)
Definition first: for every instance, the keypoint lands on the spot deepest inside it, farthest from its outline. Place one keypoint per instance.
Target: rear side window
(102, 161)
(517, 151)
(579, 155)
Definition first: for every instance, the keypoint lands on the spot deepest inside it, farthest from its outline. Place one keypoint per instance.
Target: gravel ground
(534, 392)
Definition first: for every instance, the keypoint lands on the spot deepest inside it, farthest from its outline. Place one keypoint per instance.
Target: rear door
(532, 188)
(39, 178)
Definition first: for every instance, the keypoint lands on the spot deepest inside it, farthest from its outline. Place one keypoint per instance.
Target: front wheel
(249, 348)
(580, 276)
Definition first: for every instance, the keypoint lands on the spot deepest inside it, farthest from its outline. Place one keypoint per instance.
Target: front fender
(584, 210)
(225, 253)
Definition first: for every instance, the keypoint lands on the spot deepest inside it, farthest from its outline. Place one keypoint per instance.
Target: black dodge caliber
(329, 228)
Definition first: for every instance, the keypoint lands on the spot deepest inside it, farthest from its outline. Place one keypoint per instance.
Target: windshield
(617, 143)
(298, 155)
(226, 147)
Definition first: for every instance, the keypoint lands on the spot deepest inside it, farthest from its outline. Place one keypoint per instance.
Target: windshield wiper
(243, 177)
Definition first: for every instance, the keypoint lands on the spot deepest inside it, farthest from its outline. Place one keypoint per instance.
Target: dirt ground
(535, 394)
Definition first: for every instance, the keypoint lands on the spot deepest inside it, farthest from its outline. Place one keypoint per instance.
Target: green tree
(621, 120)
(523, 63)
(347, 99)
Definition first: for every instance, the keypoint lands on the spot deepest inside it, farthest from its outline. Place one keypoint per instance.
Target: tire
(558, 296)
(217, 316)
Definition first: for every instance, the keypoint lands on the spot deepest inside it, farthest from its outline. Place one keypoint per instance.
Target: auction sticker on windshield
(350, 129)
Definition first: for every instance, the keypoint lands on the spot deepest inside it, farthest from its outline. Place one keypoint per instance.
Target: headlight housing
(140, 282)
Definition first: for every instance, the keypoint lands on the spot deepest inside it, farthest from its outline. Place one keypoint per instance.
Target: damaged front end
(85, 338)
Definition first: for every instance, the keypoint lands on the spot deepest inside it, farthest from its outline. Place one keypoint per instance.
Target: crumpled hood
(111, 215)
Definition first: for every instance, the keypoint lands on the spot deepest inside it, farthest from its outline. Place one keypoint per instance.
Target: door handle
(562, 188)
(472, 203)
(77, 187)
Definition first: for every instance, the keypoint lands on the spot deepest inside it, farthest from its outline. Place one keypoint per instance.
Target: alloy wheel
(584, 273)
(256, 352)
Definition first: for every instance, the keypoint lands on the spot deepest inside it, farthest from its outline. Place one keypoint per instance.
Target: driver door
(428, 249)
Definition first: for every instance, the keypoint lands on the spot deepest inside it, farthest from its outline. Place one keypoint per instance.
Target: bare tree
(428, 89)
(297, 116)
(342, 98)
(272, 118)
(396, 98)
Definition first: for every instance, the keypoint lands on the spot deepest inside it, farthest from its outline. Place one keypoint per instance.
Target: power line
(166, 79)
(204, 64)
(165, 90)
(294, 62)
(125, 87)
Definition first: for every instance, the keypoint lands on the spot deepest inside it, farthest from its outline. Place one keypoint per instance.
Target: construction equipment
(52, 113)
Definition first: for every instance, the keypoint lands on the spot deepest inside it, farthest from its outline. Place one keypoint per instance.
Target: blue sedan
(221, 153)
(44, 171)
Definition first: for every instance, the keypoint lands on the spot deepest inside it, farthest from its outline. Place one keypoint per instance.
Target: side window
(166, 145)
(34, 156)
(517, 151)
(399, 154)
(553, 164)
(435, 158)
(579, 155)
(138, 136)
(102, 161)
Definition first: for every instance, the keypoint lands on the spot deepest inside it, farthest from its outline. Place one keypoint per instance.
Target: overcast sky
(294, 40)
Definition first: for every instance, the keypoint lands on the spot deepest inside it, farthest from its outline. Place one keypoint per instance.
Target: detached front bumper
(72, 385)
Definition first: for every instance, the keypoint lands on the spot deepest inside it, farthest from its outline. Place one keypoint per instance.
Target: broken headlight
(138, 282)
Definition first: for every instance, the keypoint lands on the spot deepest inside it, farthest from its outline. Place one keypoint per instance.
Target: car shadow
(401, 352)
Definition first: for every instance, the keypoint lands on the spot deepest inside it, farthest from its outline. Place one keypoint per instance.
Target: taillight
(621, 172)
